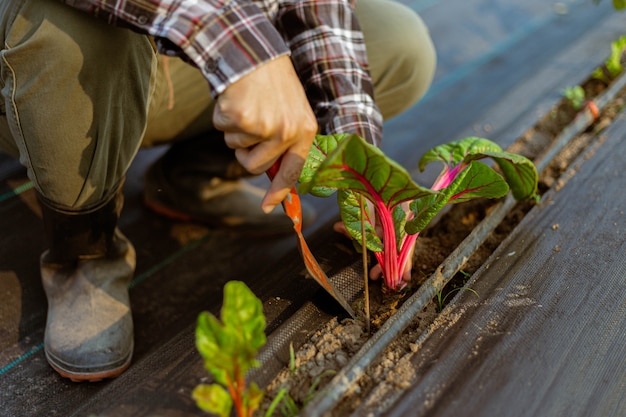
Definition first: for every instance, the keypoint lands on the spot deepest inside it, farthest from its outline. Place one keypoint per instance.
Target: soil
(330, 348)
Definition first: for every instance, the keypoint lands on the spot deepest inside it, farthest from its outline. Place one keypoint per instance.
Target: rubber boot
(85, 273)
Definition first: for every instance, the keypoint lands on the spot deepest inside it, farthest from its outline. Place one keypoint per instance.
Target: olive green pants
(80, 97)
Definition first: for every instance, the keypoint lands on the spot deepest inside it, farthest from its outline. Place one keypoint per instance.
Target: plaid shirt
(226, 39)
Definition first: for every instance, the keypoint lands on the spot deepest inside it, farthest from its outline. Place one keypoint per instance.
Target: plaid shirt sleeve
(328, 52)
(227, 39)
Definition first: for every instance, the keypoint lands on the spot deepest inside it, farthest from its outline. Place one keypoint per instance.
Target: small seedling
(613, 64)
(316, 382)
(289, 406)
(229, 349)
(292, 359)
(282, 396)
(575, 95)
(441, 299)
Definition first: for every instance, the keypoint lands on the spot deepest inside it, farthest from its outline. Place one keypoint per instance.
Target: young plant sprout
(576, 96)
(229, 349)
(401, 207)
(613, 64)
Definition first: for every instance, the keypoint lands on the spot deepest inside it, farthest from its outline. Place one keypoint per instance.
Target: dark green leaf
(520, 173)
(361, 167)
(351, 217)
(321, 147)
(453, 153)
(424, 209)
(478, 181)
(399, 223)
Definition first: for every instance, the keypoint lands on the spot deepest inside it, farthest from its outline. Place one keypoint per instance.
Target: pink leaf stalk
(447, 176)
(391, 262)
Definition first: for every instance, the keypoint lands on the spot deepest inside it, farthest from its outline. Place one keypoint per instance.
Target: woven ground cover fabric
(546, 335)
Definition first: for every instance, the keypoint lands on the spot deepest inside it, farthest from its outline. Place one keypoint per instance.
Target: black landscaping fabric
(502, 65)
(546, 335)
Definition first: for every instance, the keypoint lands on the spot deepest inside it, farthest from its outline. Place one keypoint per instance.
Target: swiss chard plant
(229, 349)
(613, 64)
(401, 207)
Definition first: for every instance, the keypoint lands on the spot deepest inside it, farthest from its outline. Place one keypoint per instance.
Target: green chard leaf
(424, 209)
(477, 181)
(213, 399)
(520, 173)
(213, 346)
(321, 147)
(474, 181)
(351, 217)
(243, 312)
(399, 221)
(229, 348)
(254, 396)
(453, 153)
(356, 165)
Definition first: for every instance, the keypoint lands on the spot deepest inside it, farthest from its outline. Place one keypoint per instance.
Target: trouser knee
(400, 52)
(75, 95)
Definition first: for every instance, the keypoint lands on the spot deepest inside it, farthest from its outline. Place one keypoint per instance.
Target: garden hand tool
(293, 209)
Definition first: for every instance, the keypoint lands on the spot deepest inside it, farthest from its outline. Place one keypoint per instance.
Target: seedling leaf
(213, 399)
(614, 62)
(576, 96)
(229, 349)
(617, 4)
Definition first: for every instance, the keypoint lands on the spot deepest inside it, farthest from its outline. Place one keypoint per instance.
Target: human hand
(266, 115)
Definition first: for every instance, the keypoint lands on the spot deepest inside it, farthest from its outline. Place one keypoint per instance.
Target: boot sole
(91, 376)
